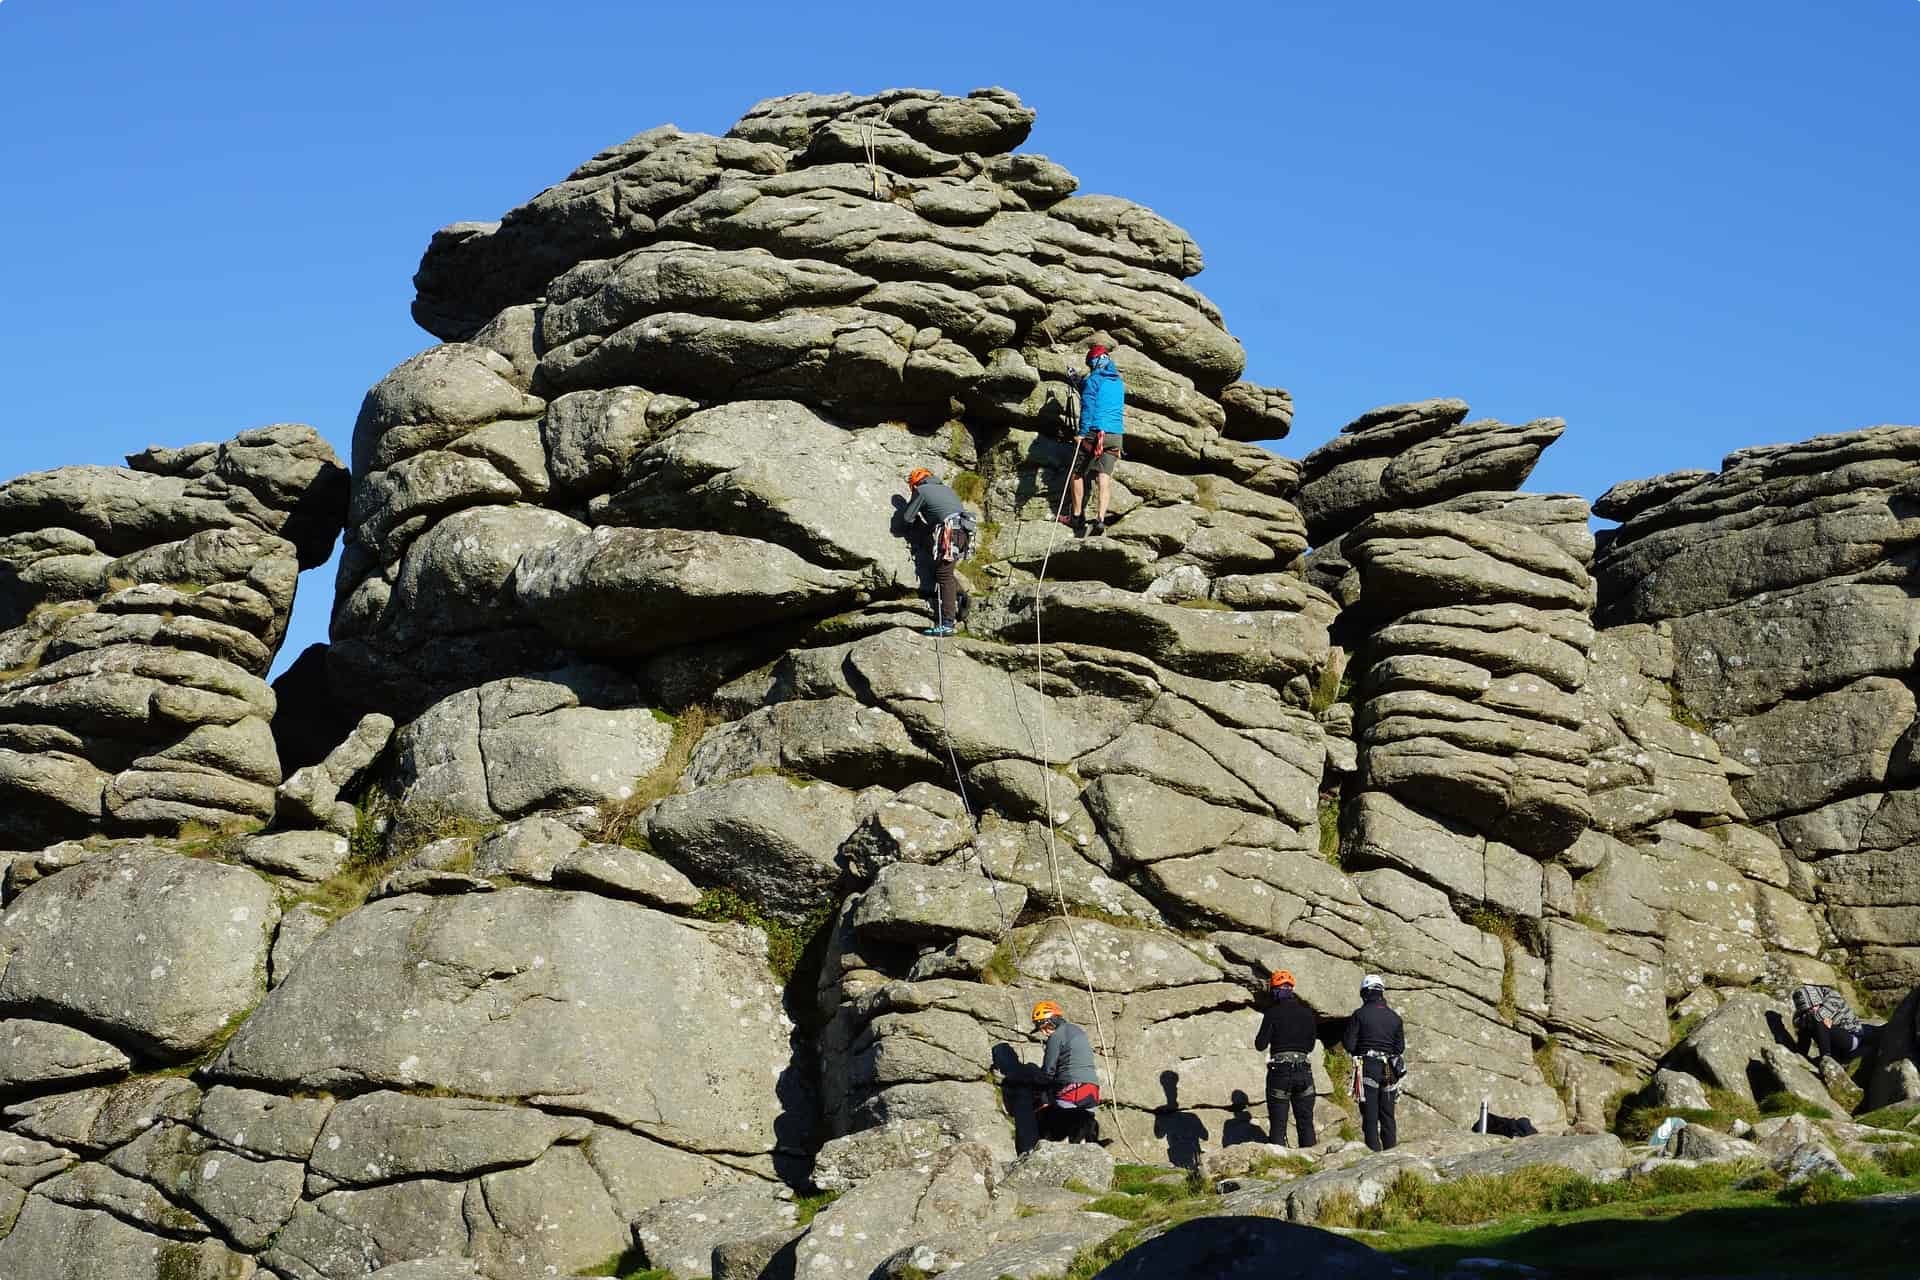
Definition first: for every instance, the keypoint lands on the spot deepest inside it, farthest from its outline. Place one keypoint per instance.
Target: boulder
(1058, 1164)
(43, 1056)
(774, 840)
(680, 1236)
(844, 1162)
(935, 905)
(1235, 1247)
(175, 949)
(581, 1000)
(952, 1192)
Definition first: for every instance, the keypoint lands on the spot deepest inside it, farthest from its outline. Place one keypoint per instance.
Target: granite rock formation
(629, 861)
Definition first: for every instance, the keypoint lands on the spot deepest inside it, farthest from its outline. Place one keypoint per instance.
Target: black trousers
(1376, 1108)
(1067, 1124)
(1840, 1045)
(1289, 1086)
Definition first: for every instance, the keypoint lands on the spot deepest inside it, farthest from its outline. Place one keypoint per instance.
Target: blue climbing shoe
(942, 630)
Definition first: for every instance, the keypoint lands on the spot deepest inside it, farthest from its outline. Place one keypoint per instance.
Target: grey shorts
(1104, 464)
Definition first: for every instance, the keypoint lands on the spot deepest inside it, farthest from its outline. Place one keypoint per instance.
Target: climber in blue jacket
(1103, 398)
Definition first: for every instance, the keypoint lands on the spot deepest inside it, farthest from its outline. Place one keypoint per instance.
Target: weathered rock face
(140, 608)
(1780, 590)
(713, 358)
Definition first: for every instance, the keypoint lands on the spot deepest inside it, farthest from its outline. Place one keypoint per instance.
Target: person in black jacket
(1286, 1033)
(1378, 1044)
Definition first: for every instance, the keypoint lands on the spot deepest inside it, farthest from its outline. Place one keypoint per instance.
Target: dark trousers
(946, 581)
(1067, 1124)
(1376, 1108)
(1841, 1046)
(1289, 1084)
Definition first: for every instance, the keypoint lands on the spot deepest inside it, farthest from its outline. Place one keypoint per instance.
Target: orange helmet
(1283, 979)
(917, 476)
(1047, 1009)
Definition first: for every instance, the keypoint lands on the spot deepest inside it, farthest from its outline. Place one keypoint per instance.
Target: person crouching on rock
(1287, 1035)
(1823, 1019)
(1103, 398)
(952, 529)
(1378, 1043)
(1067, 1077)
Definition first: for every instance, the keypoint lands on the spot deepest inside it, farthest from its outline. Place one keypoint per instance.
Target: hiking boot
(1096, 529)
(941, 630)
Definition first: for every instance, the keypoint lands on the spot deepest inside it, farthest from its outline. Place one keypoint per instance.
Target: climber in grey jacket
(1068, 1076)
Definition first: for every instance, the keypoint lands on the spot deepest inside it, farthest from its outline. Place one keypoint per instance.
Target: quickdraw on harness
(953, 538)
(1099, 445)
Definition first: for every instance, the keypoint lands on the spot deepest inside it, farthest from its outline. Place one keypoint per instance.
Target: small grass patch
(1003, 967)
(1898, 1115)
(805, 1207)
(1330, 684)
(1330, 826)
(1213, 606)
(1681, 1027)
(218, 844)
(1681, 713)
(617, 820)
(787, 942)
(1787, 1104)
(630, 1265)
(1490, 919)
(970, 487)
(1340, 1068)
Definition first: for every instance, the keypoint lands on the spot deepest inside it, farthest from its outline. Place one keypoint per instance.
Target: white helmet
(1372, 982)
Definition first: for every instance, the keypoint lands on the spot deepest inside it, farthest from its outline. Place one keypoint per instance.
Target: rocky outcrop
(638, 863)
(1780, 586)
(140, 608)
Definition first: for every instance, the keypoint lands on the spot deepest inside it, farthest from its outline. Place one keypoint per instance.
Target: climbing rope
(1043, 750)
(1041, 746)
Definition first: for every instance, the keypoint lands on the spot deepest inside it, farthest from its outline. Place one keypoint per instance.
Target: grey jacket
(934, 500)
(1069, 1058)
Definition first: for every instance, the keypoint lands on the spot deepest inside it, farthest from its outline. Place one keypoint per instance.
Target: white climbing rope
(1041, 747)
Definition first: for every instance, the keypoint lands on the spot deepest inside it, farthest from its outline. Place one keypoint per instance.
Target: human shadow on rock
(1183, 1131)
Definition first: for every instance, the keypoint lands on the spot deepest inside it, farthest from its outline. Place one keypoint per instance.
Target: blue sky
(1685, 228)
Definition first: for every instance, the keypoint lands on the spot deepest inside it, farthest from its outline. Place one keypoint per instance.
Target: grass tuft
(787, 943)
(1330, 826)
(618, 820)
(809, 1205)
(1787, 1104)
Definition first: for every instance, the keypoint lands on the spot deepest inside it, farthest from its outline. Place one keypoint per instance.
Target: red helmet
(917, 477)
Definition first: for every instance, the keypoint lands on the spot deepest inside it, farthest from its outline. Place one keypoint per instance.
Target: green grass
(787, 942)
(1488, 918)
(1003, 968)
(1898, 1115)
(1786, 1104)
(1212, 605)
(805, 1207)
(1330, 826)
(1330, 684)
(1636, 1117)
(627, 1266)
(617, 820)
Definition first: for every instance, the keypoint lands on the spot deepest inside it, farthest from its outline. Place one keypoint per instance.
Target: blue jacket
(1103, 396)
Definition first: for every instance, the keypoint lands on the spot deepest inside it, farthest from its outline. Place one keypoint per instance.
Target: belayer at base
(1378, 1043)
(1287, 1034)
(1067, 1078)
